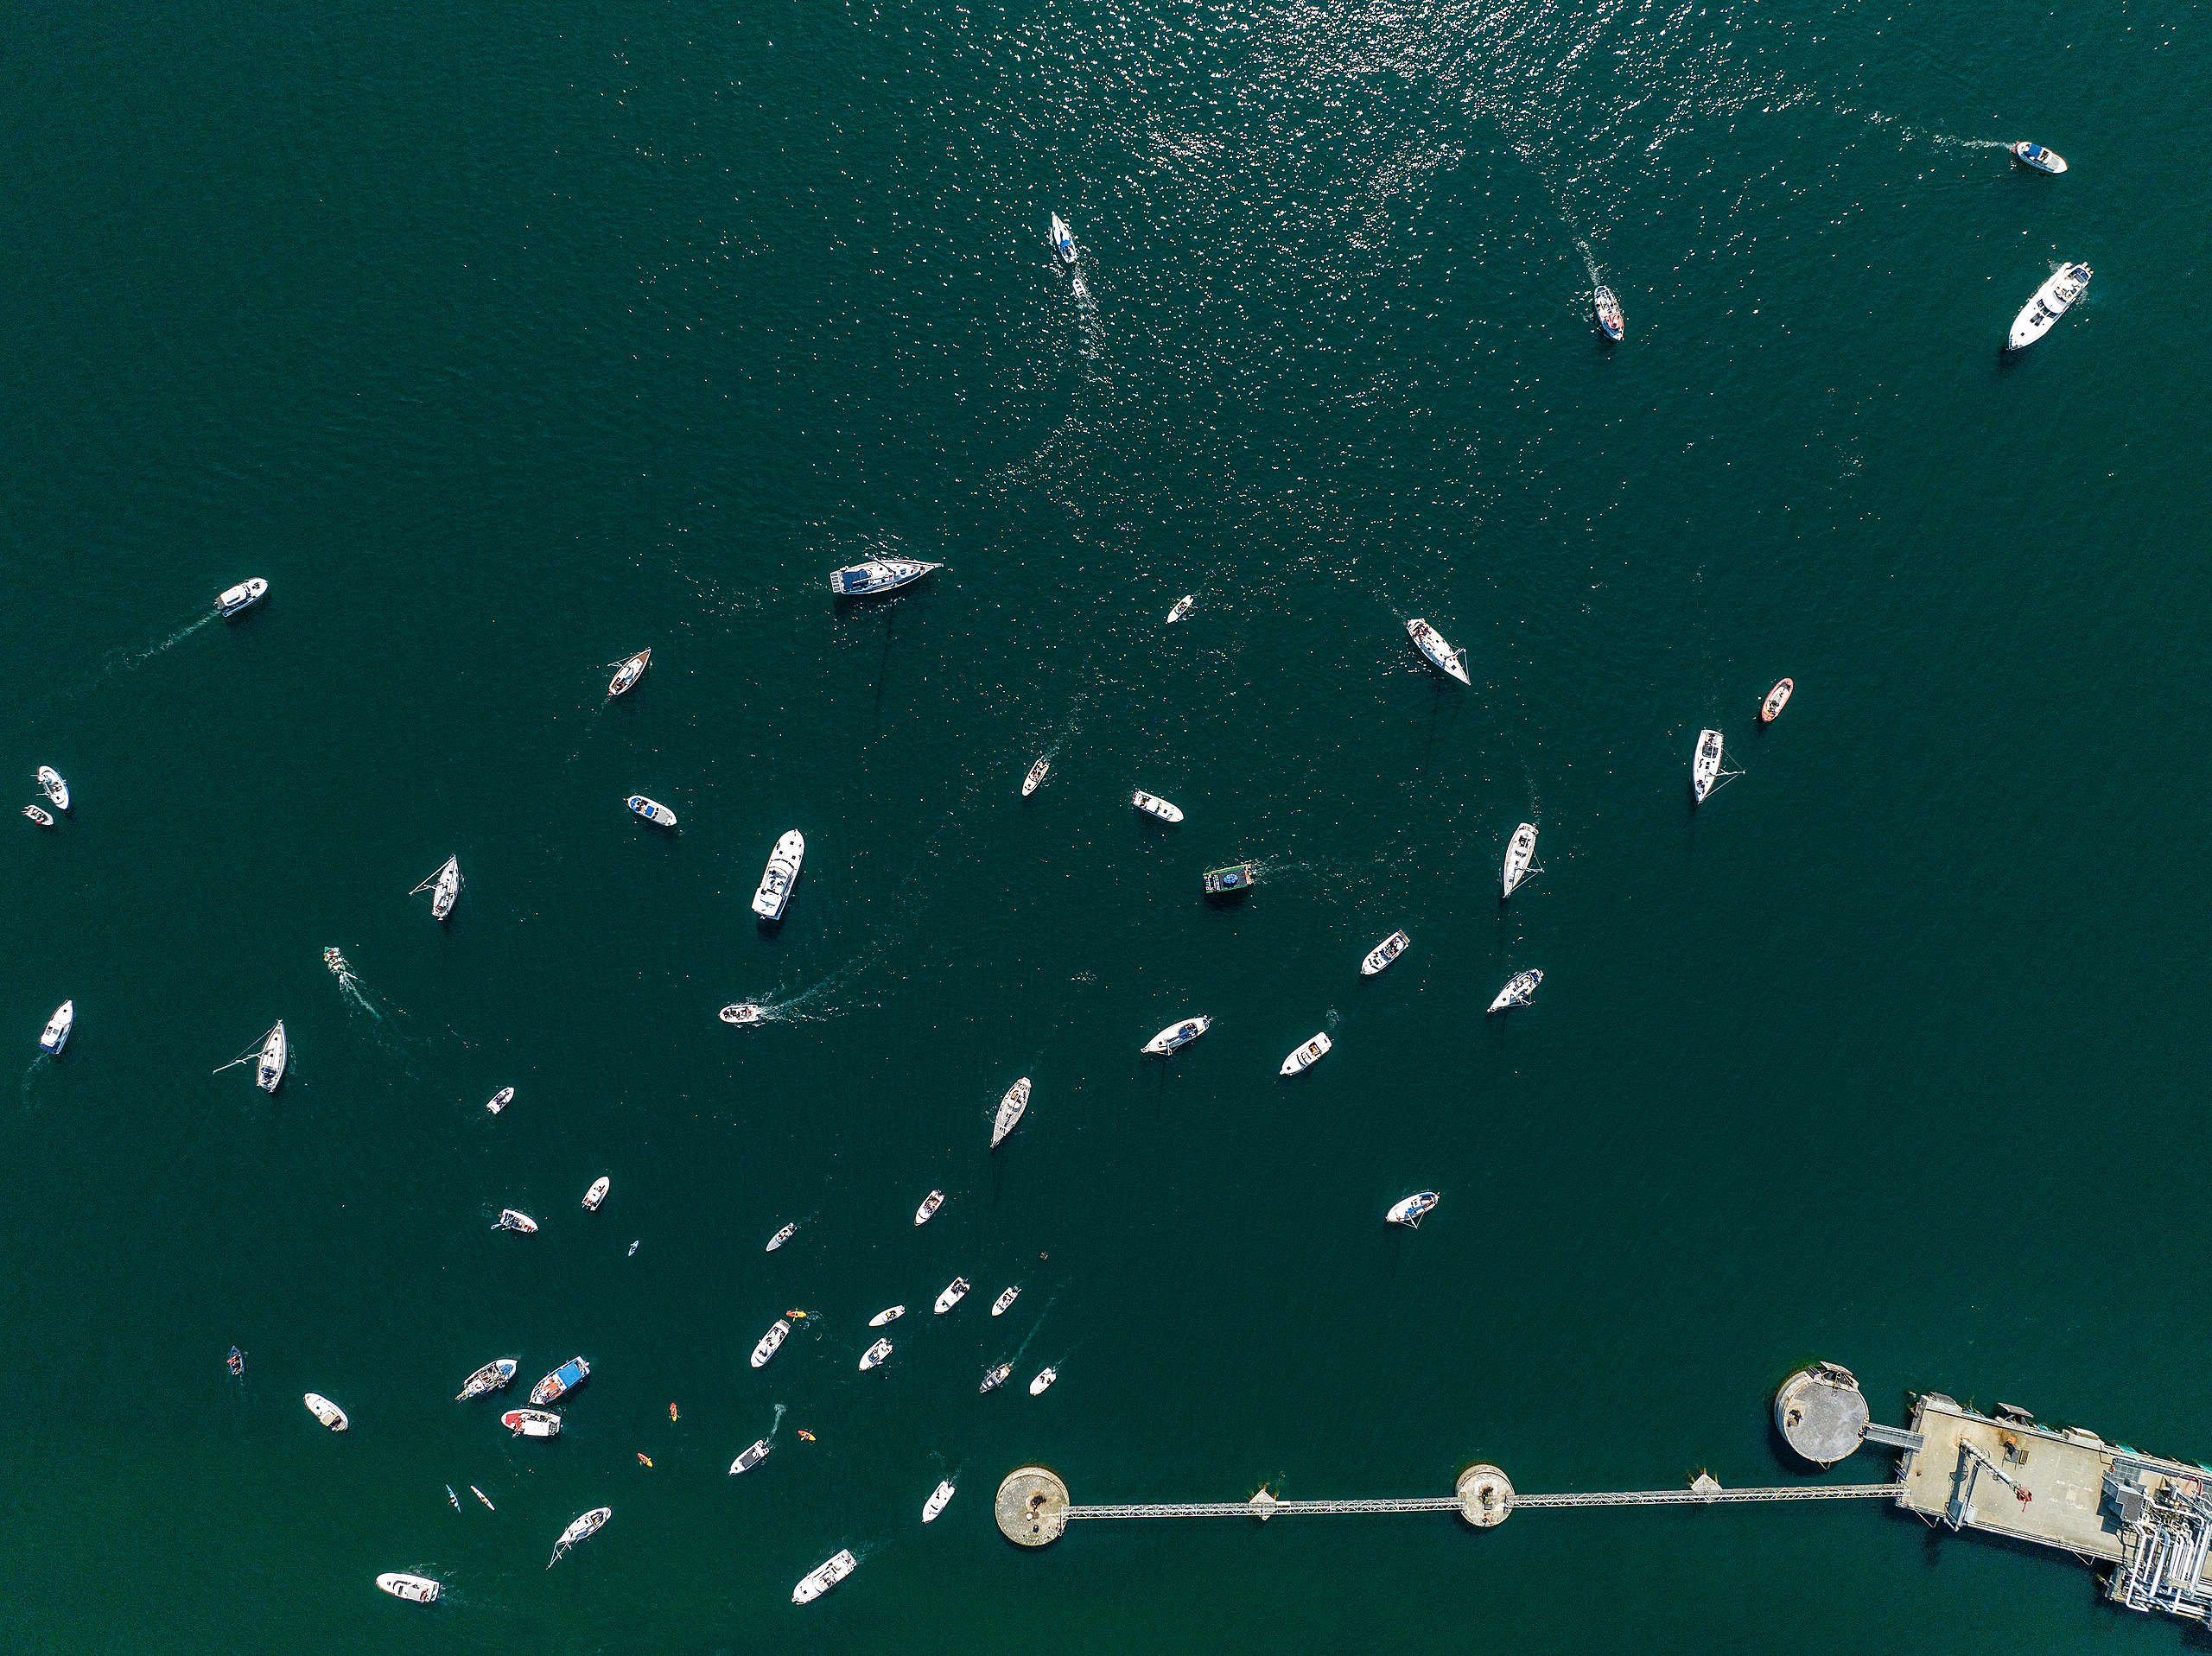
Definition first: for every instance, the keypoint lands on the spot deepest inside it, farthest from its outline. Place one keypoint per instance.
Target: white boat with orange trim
(1777, 700)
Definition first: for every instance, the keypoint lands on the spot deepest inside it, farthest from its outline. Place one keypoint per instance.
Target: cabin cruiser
(415, 1589)
(1607, 309)
(751, 1458)
(531, 1423)
(597, 1194)
(823, 1577)
(1409, 1211)
(1383, 953)
(1063, 242)
(874, 1354)
(1307, 1056)
(490, 1378)
(1777, 700)
(51, 784)
(629, 673)
(1182, 607)
(499, 1101)
(955, 1291)
(326, 1411)
(1035, 779)
(769, 1342)
(1705, 764)
(514, 1220)
(999, 1305)
(1156, 806)
(1010, 1108)
(1517, 990)
(877, 576)
(993, 1379)
(2034, 156)
(936, 1503)
(652, 810)
(781, 1237)
(587, 1524)
(782, 873)
(888, 1314)
(1431, 643)
(1177, 1035)
(243, 596)
(2052, 301)
(56, 1034)
(931, 1204)
(1045, 1378)
(269, 1070)
(1520, 856)
(562, 1381)
(741, 1013)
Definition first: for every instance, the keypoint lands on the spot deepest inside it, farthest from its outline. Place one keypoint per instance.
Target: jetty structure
(2147, 1517)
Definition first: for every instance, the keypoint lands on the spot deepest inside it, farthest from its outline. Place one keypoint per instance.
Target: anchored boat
(1182, 607)
(492, 1377)
(781, 874)
(243, 596)
(1063, 242)
(994, 1378)
(936, 1503)
(1237, 877)
(326, 1411)
(1431, 643)
(629, 673)
(1777, 700)
(597, 1194)
(1177, 1035)
(1307, 1056)
(1518, 990)
(562, 1381)
(56, 1034)
(1043, 1378)
(999, 1305)
(751, 1458)
(931, 1204)
(1705, 764)
(1035, 779)
(587, 1524)
(531, 1423)
(44, 819)
(443, 887)
(2052, 301)
(877, 576)
(269, 1070)
(1010, 1108)
(652, 810)
(874, 1354)
(955, 1291)
(769, 1342)
(514, 1219)
(2034, 156)
(51, 784)
(1156, 806)
(889, 1313)
(1383, 953)
(1520, 856)
(1409, 1211)
(1607, 309)
(781, 1237)
(415, 1589)
(823, 1577)
(499, 1101)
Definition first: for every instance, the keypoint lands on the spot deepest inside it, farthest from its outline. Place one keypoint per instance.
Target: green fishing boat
(1237, 877)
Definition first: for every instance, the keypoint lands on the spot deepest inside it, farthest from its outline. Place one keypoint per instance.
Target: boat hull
(562, 1381)
(823, 1577)
(2052, 301)
(492, 1377)
(782, 873)
(652, 810)
(751, 1458)
(1010, 1108)
(1153, 805)
(770, 1342)
(1229, 881)
(415, 1589)
(1036, 1386)
(955, 1291)
(1777, 700)
(1177, 1035)
(1384, 953)
(629, 673)
(326, 1411)
(55, 1036)
(1705, 764)
(1307, 1056)
(531, 1423)
(874, 1354)
(939, 1498)
(51, 784)
(1035, 779)
(2034, 156)
(276, 1052)
(1412, 1209)
(931, 1204)
(877, 576)
(1517, 990)
(1441, 655)
(597, 1194)
(236, 600)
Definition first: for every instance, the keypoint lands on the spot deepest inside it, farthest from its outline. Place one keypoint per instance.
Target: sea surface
(507, 340)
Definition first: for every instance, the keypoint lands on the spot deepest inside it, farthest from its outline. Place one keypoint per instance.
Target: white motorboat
(1177, 1035)
(2034, 156)
(1156, 806)
(774, 1338)
(499, 1101)
(999, 1305)
(443, 887)
(629, 673)
(481, 1496)
(490, 1378)
(888, 1314)
(56, 1035)
(874, 1354)
(1063, 241)
(1518, 990)
(1035, 779)
(2052, 301)
(51, 784)
(936, 1504)
(1409, 1211)
(276, 1052)
(823, 1577)
(515, 1218)
(415, 1589)
(1383, 953)
(931, 1204)
(1307, 1056)
(751, 1458)
(326, 1411)
(1182, 607)
(652, 810)
(742, 1012)
(1607, 309)
(243, 596)
(1431, 643)
(1777, 700)
(955, 1291)
(589, 1523)
(44, 819)
(1705, 764)
(877, 576)
(1010, 1108)
(597, 1194)
(993, 1379)
(531, 1423)
(1520, 857)
(781, 1237)
(781, 874)
(1045, 1378)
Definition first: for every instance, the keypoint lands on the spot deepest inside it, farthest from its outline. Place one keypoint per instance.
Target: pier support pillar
(1031, 1505)
(1485, 1495)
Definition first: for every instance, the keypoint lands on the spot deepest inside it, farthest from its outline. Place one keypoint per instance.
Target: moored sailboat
(1010, 1110)
(1518, 990)
(589, 1523)
(1177, 1035)
(276, 1052)
(443, 887)
(629, 672)
(1431, 643)
(1705, 764)
(1409, 1211)
(1520, 857)
(877, 576)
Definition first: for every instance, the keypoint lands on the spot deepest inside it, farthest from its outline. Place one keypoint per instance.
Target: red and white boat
(1777, 700)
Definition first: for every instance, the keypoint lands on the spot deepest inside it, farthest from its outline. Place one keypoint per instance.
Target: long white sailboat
(589, 1523)
(443, 887)
(1520, 857)
(1519, 989)
(1177, 1035)
(1431, 643)
(1010, 1111)
(877, 576)
(1705, 764)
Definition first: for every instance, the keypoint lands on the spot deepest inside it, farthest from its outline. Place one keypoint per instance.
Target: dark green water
(506, 342)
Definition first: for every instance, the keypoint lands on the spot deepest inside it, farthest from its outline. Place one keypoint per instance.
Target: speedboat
(51, 784)
(531, 1423)
(1010, 1108)
(2051, 301)
(751, 1458)
(236, 1361)
(774, 1338)
(268, 1072)
(1307, 1056)
(1607, 309)
(444, 887)
(1431, 643)
(326, 1411)
(2042, 160)
(244, 595)
(1237, 877)
(1519, 852)
(996, 1378)
(1063, 242)
(515, 1218)
(597, 1194)
(587, 1524)
(44, 819)
(1045, 1378)
(1035, 779)
(629, 673)
(1383, 953)
(652, 810)
(1157, 806)
(955, 1291)
(1177, 1035)
(874, 1354)
(500, 1099)
(781, 1237)
(823, 1577)
(781, 874)
(57, 1027)
(889, 1313)
(490, 1378)
(562, 1381)
(1182, 607)
(743, 1012)
(931, 1204)
(936, 1503)
(999, 1305)
(1705, 764)
(1777, 700)
(1517, 990)
(415, 1589)
(877, 576)
(1409, 1211)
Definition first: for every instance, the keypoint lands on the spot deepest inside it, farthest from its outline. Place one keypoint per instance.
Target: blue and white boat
(56, 1034)
(2034, 156)
(877, 576)
(1063, 240)
(562, 1381)
(652, 810)
(243, 596)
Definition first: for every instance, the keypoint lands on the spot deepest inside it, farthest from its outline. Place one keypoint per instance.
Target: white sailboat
(1519, 989)
(781, 874)
(1383, 953)
(1035, 779)
(597, 1194)
(2052, 301)
(1177, 1035)
(1010, 1108)
(877, 576)
(587, 1524)
(774, 1338)
(490, 1378)
(1156, 806)
(823, 1577)
(51, 784)
(874, 1354)
(1431, 643)
(1409, 1211)
(1307, 1056)
(955, 1291)
(443, 887)
(1705, 764)
(936, 1503)
(999, 1305)
(269, 1073)
(415, 1589)
(1520, 857)
(629, 673)
(55, 1036)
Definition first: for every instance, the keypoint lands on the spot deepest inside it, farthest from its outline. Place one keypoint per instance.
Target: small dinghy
(781, 1237)
(269, 1069)
(993, 1379)
(56, 1035)
(443, 887)
(1777, 700)
(1010, 1108)
(243, 596)
(1607, 309)
(2034, 156)
(326, 1411)
(781, 874)
(955, 1291)
(51, 784)
(415, 1589)
(742, 1012)
(500, 1099)
(1045, 1378)
(652, 810)
(589, 1523)
(999, 1305)
(1035, 779)
(1383, 953)
(1520, 857)
(1182, 607)
(1431, 643)
(889, 1313)
(1063, 241)
(629, 672)
(823, 1577)
(877, 576)
(931, 1204)
(236, 1361)
(515, 1218)
(492, 1377)
(2052, 301)
(937, 1503)
(1518, 990)
(751, 1458)
(44, 819)
(481, 1496)
(1409, 1211)
(562, 1381)
(1237, 877)
(874, 1354)
(1156, 806)
(769, 1343)
(1307, 1056)
(597, 1194)
(531, 1423)
(1705, 764)
(1177, 1035)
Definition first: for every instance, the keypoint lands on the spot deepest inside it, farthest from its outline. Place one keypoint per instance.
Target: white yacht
(243, 596)
(1177, 1035)
(936, 1504)
(629, 673)
(1045, 1378)
(1010, 1108)
(1307, 1056)
(774, 1338)
(415, 1589)
(2051, 301)
(781, 1237)
(999, 1305)
(1063, 241)
(751, 1458)
(515, 1218)
(874, 1354)
(587, 1524)
(931, 1204)
(877, 576)
(888, 1314)
(994, 1378)
(56, 1035)
(499, 1101)
(742, 1012)
(652, 810)
(955, 1291)
(597, 1194)
(51, 784)
(1035, 779)
(823, 1577)
(782, 873)
(326, 1411)
(490, 1378)
(443, 887)
(1156, 806)
(1182, 607)
(2034, 156)
(1705, 764)
(1431, 643)
(1520, 856)
(1383, 953)
(268, 1072)
(1409, 1211)
(1518, 990)
(1607, 309)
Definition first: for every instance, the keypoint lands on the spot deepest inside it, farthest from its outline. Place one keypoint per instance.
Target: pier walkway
(1270, 1507)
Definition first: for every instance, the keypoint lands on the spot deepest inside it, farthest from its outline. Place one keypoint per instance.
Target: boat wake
(122, 661)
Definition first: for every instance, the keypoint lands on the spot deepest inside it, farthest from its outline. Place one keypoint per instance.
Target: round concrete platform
(1029, 1506)
(1485, 1495)
(1821, 1413)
